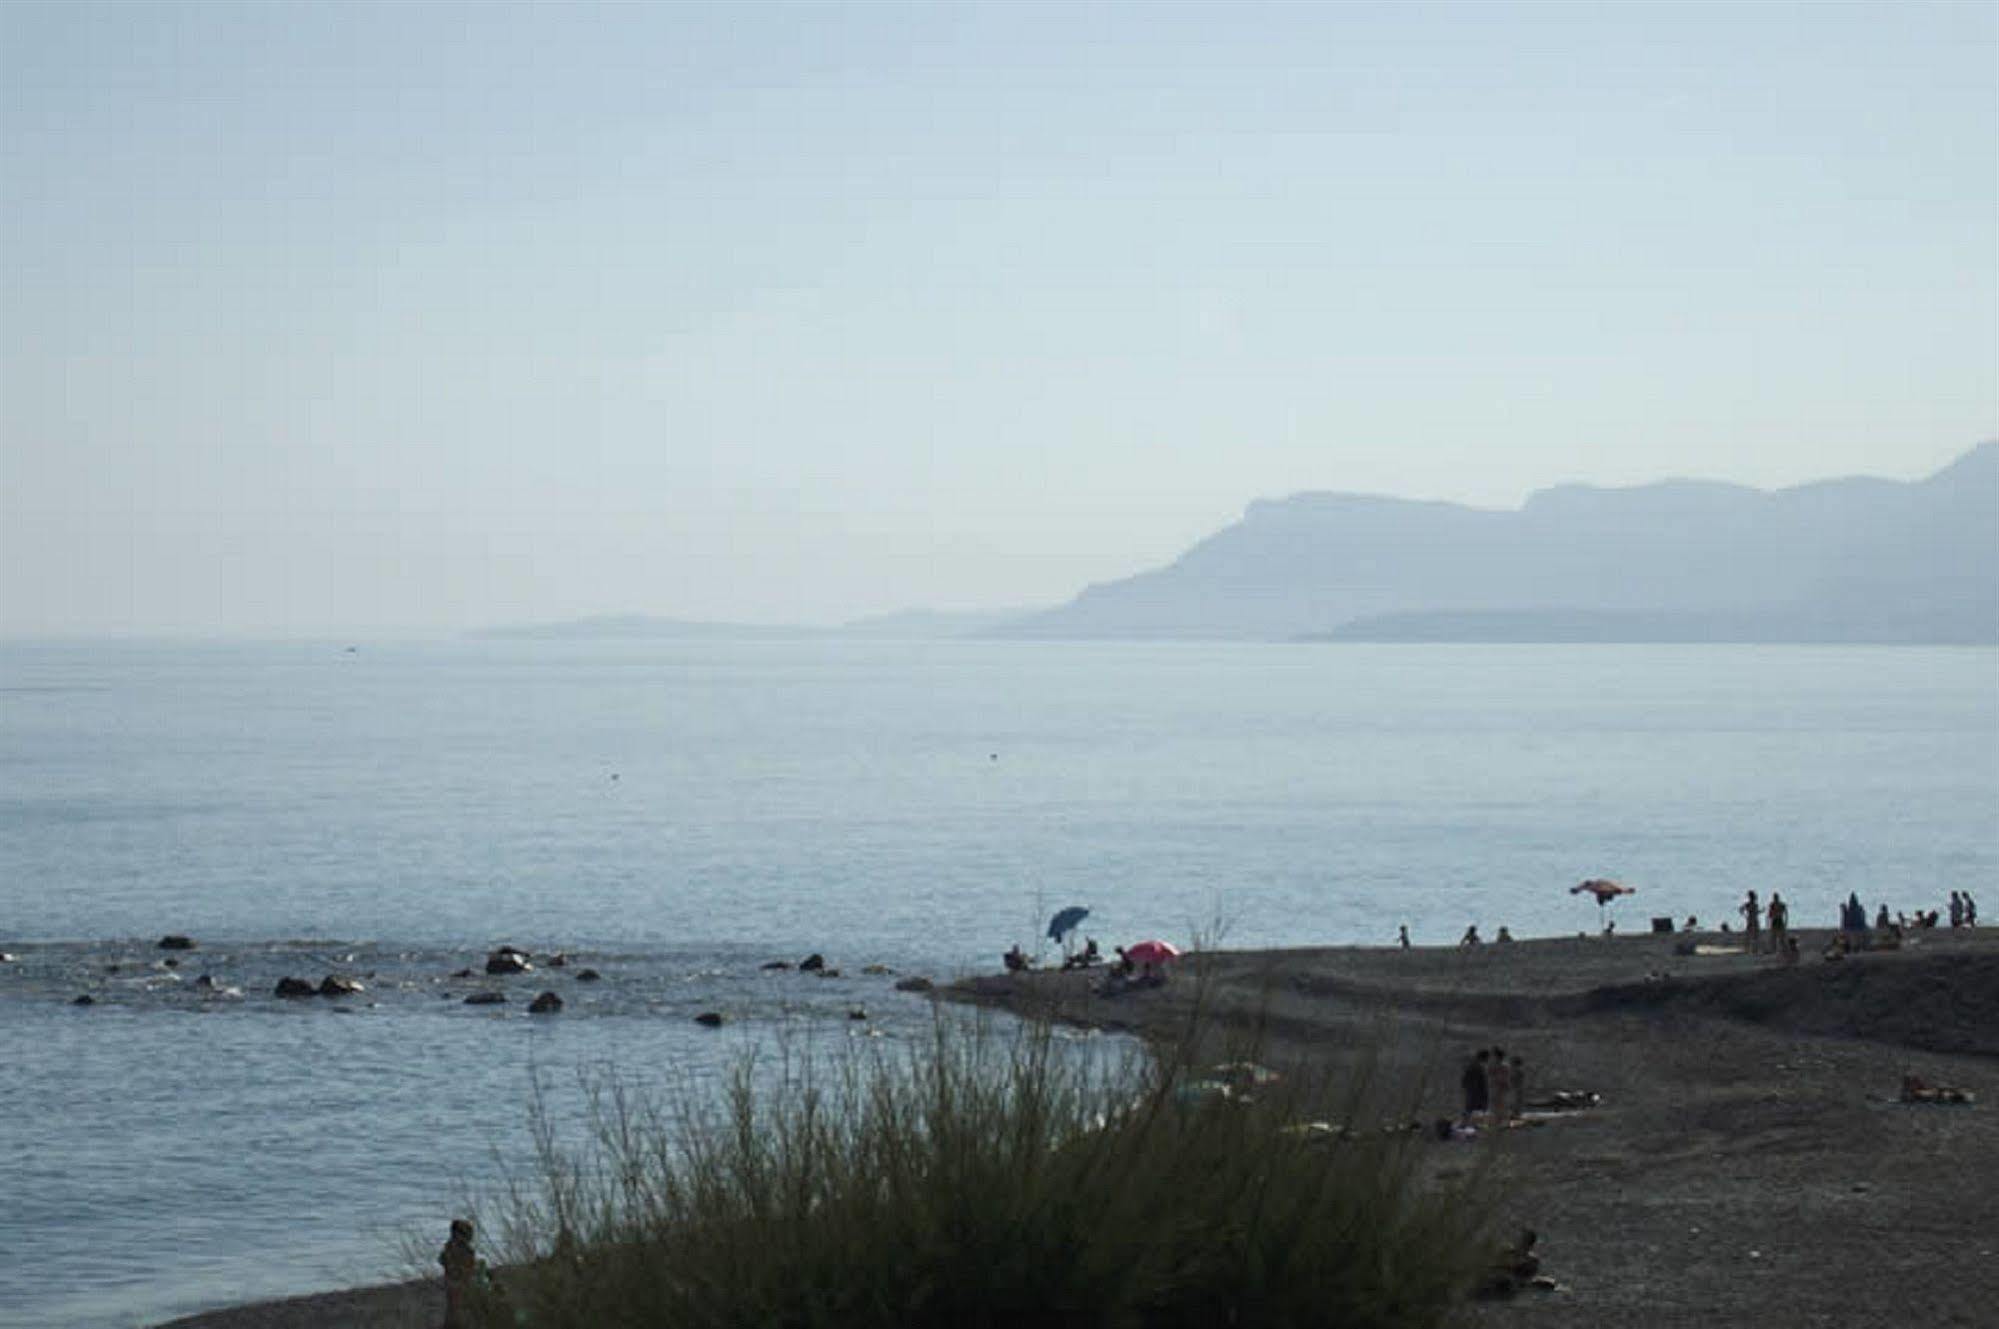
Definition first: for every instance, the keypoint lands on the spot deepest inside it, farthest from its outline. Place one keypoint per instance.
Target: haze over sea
(676, 813)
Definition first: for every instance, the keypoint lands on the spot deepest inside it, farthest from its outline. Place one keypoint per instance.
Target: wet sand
(1750, 1163)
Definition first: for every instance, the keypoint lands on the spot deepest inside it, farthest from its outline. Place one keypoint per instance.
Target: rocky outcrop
(812, 963)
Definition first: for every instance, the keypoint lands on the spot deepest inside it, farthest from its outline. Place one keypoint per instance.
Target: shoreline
(1749, 1164)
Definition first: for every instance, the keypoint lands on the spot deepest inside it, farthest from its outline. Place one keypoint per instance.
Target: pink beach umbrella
(1605, 891)
(1152, 952)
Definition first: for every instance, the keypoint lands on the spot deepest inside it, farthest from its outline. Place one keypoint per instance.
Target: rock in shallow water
(546, 1004)
(507, 960)
(295, 987)
(713, 1019)
(333, 985)
(175, 941)
(486, 999)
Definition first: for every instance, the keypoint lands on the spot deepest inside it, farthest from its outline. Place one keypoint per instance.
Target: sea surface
(675, 815)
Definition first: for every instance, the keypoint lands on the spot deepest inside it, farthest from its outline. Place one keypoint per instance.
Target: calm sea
(676, 814)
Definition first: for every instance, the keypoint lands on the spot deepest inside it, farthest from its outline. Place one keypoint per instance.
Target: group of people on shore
(1495, 1087)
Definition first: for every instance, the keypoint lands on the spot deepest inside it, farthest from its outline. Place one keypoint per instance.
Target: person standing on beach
(1500, 1077)
(461, 1265)
(1780, 923)
(1474, 1085)
(1402, 935)
(1752, 923)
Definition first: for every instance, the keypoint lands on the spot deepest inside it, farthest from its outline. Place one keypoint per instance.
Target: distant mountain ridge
(1849, 560)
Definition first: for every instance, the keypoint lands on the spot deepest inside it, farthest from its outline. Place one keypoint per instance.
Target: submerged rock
(464, 973)
(558, 960)
(85, 1000)
(877, 970)
(175, 941)
(508, 961)
(295, 987)
(858, 1013)
(812, 962)
(486, 999)
(777, 964)
(333, 985)
(713, 1019)
(588, 976)
(546, 1004)
(915, 983)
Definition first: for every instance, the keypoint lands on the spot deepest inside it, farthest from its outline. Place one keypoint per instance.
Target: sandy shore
(1750, 1163)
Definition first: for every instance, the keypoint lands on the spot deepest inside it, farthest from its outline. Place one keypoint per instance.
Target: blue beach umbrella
(1065, 922)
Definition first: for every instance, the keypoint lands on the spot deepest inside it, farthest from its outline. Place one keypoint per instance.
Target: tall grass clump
(976, 1180)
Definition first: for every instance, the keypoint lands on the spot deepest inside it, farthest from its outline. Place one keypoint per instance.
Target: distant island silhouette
(1858, 560)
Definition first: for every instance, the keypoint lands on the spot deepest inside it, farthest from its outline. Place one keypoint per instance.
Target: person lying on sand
(1917, 1090)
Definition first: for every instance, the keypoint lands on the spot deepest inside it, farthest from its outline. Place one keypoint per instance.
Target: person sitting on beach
(1504, 935)
(1016, 959)
(1471, 937)
(461, 1266)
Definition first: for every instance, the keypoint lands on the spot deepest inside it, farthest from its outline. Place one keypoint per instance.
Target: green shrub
(979, 1181)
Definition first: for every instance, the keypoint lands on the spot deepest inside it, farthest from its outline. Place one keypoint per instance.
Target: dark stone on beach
(507, 961)
(85, 1000)
(713, 1019)
(915, 984)
(486, 999)
(333, 985)
(777, 964)
(546, 1004)
(812, 962)
(174, 941)
(588, 976)
(295, 987)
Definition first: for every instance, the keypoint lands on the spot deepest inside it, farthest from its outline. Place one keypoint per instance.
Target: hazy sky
(336, 318)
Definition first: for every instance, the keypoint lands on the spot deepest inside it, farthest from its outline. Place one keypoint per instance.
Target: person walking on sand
(1752, 923)
(1780, 923)
(1473, 1082)
(461, 1265)
(1500, 1077)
